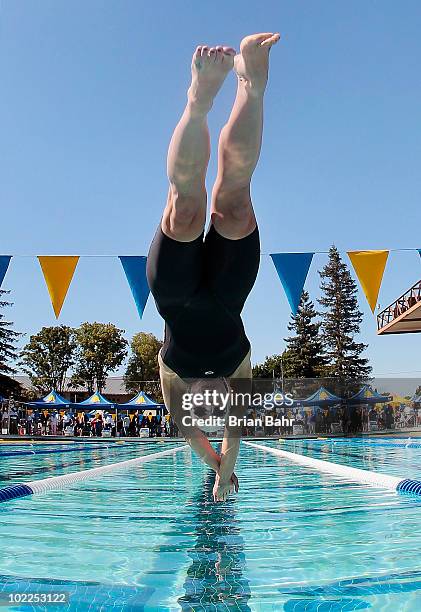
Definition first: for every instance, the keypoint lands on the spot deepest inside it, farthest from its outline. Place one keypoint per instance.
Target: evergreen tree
(8, 339)
(341, 321)
(304, 355)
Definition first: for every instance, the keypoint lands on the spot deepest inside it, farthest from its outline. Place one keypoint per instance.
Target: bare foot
(252, 63)
(210, 66)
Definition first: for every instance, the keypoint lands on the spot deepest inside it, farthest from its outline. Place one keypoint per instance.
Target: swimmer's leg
(240, 141)
(189, 150)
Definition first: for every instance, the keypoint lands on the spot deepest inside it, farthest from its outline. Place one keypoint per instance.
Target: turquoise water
(71, 457)
(152, 539)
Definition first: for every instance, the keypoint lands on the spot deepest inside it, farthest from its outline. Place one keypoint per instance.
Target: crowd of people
(335, 419)
(15, 419)
(19, 421)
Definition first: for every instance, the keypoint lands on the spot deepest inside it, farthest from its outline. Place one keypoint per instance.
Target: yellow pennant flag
(58, 272)
(369, 267)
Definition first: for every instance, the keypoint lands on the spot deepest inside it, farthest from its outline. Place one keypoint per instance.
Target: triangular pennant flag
(58, 272)
(4, 264)
(292, 269)
(419, 252)
(135, 270)
(369, 267)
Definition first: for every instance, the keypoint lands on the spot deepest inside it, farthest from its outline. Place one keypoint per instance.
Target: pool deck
(391, 433)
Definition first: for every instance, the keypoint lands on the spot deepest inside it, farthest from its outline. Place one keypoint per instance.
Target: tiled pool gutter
(59, 482)
(402, 485)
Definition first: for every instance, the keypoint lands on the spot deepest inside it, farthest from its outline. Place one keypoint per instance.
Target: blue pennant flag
(4, 264)
(419, 251)
(135, 270)
(292, 269)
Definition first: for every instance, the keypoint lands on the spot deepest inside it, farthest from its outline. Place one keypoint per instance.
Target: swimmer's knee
(184, 216)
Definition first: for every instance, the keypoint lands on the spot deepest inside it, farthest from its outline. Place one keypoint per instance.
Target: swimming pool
(152, 539)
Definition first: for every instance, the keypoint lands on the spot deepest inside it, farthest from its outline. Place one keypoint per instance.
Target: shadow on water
(215, 580)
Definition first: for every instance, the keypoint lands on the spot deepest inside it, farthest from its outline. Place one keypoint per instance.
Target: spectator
(5, 420)
(126, 425)
(99, 425)
(13, 422)
(132, 429)
(120, 427)
(44, 420)
(53, 423)
(312, 423)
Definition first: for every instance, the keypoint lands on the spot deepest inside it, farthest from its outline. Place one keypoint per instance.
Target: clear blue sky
(90, 92)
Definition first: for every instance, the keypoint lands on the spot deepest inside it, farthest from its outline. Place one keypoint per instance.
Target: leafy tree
(271, 368)
(305, 355)
(48, 356)
(101, 349)
(143, 362)
(8, 339)
(341, 321)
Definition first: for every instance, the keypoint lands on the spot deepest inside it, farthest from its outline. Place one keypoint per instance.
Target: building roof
(114, 385)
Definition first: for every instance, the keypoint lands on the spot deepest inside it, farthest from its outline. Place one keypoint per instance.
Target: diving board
(403, 316)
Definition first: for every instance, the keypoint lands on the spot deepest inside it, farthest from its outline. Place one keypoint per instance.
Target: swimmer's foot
(252, 63)
(210, 66)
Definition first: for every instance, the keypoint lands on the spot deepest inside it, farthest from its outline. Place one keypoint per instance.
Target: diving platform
(403, 316)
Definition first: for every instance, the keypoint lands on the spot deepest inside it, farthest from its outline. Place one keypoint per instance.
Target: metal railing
(399, 306)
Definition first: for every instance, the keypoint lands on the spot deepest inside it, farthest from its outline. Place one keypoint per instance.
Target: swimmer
(200, 281)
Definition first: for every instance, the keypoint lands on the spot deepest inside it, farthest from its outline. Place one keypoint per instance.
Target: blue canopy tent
(141, 401)
(322, 398)
(52, 400)
(367, 396)
(95, 402)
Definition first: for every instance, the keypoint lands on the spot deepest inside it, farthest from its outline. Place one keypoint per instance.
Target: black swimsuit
(200, 288)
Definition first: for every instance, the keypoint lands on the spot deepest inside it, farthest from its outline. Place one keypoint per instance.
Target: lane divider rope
(375, 479)
(59, 482)
(360, 441)
(50, 451)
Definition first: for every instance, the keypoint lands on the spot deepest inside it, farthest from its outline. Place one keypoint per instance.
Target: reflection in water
(215, 579)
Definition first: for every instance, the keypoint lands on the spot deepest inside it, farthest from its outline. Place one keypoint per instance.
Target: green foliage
(270, 368)
(304, 357)
(101, 349)
(341, 321)
(48, 356)
(8, 339)
(143, 363)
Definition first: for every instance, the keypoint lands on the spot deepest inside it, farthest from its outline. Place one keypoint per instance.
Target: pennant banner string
(25, 255)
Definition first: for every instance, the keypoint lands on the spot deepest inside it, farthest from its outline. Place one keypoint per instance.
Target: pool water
(151, 538)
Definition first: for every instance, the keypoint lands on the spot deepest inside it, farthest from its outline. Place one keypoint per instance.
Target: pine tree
(8, 340)
(304, 357)
(341, 321)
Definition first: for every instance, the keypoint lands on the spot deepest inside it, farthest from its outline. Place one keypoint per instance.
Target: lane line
(59, 482)
(376, 479)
